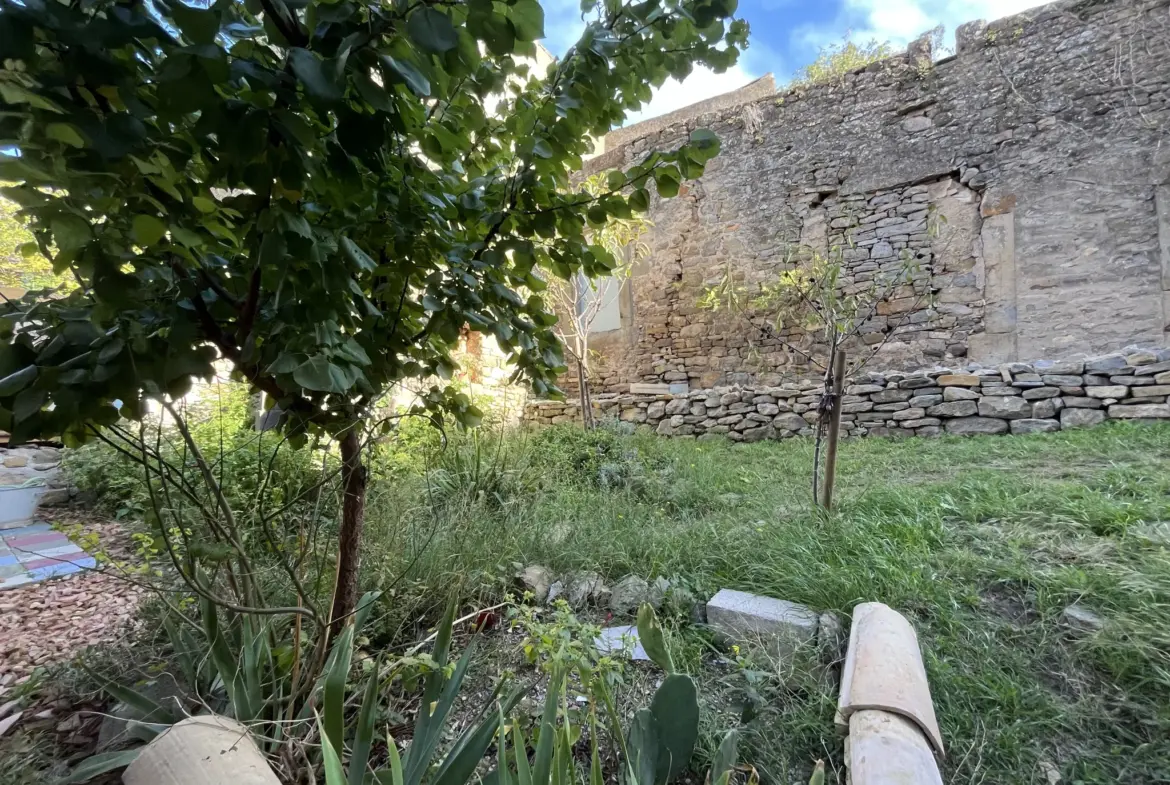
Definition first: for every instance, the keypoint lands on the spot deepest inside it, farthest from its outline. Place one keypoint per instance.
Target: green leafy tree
(322, 194)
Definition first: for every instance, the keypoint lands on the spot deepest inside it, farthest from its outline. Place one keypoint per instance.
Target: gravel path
(49, 622)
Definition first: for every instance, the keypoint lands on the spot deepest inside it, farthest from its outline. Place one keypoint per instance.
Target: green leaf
(204, 204)
(395, 761)
(198, 25)
(407, 73)
(640, 200)
(356, 256)
(63, 132)
(15, 382)
(70, 232)
(615, 179)
(676, 714)
(147, 230)
(652, 639)
(667, 180)
(334, 772)
(317, 373)
(542, 762)
(432, 30)
(333, 694)
(643, 748)
(818, 775)
(317, 78)
(363, 740)
(528, 20)
(459, 766)
(725, 759)
(704, 145)
(495, 30)
(94, 765)
(272, 249)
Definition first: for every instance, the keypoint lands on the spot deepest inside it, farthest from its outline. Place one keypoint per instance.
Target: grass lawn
(981, 542)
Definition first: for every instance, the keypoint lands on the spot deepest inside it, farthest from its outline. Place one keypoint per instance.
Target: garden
(984, 543)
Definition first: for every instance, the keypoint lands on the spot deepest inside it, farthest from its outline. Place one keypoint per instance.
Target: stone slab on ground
(613, 640)
(884, 671)
(748, 618)
(36, 553)
(885, 749)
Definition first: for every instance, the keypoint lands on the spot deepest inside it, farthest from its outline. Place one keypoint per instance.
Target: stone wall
(1016, 398)
(1028, 176)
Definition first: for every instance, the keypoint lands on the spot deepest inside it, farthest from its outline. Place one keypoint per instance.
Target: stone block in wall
(915, 382)
(789, 422)
(1107, 391)
(1108, 362)
(1036, 393)
(972, 426)
(864, 389)
(925, 400)
(953, 409)
(1031, 425)
(1131, 381)
(1078, 402)
(959, 394)
(1062, 380)
(1005, 406)
(1139, 411)
(890, 396)
(1060, 367)
(1155, 391)
(959, 380)
(1094, 380)
(1046, 409)
(1151, 370)
(1080, 418)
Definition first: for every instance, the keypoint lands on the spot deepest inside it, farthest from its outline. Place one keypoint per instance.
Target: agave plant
(239, 672)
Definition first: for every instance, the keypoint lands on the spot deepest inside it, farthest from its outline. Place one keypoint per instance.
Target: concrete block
(745, 617)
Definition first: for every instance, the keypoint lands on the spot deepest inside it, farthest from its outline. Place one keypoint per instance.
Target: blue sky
(787, 34)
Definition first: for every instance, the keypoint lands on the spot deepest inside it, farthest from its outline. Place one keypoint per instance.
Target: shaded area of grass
(981, 542)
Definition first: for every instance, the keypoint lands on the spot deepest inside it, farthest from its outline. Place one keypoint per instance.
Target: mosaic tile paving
(35, 553)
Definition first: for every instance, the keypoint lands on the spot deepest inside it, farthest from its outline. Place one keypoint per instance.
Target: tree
(812, 296)
(578, 300)
(320, 194)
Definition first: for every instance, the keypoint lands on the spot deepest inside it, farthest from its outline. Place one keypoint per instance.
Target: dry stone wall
(1028, 176)
(1017, 398)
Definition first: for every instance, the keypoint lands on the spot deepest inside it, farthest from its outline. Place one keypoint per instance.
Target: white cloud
(703, 83)
(900, 21)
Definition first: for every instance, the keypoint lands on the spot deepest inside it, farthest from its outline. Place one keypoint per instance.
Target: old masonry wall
(1017, 398)
(1028, 176)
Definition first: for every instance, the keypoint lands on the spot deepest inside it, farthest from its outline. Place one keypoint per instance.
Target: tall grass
(981, 542)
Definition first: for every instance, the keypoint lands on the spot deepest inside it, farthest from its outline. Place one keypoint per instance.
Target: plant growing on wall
(320, 194)
(813, 296)
(579, 300)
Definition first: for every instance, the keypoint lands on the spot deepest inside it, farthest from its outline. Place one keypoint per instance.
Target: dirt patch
(47, 623)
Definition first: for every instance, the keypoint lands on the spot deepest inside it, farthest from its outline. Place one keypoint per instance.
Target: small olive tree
(809, 297)
(320, 194)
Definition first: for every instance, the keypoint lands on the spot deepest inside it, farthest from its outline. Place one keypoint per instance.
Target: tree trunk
(349, 547)
(583, 395)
